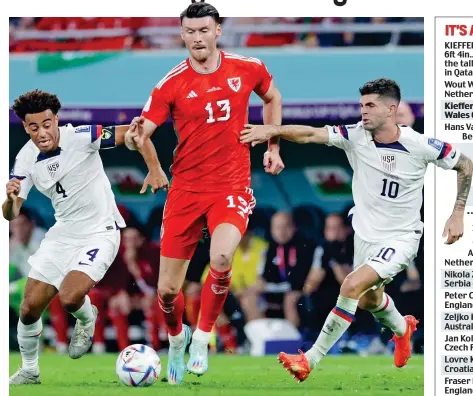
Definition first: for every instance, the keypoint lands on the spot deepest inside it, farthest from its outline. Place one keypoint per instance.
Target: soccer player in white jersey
(64, 164)
(389, 163)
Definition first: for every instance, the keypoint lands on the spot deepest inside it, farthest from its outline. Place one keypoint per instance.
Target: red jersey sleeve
(158, 107)
(263, 79)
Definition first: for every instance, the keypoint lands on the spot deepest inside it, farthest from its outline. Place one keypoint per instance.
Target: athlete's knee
(168, 291)
(71, 299)
(29, 313)
(220, 260)
(351, 286)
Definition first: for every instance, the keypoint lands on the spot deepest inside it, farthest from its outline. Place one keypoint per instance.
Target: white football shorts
(56, 257)
(387, 258)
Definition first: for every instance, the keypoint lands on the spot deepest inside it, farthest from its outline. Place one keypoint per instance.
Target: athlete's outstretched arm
(454, 226)
(256, 134)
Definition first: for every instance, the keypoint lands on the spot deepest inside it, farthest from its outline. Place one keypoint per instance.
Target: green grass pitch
(230, 375)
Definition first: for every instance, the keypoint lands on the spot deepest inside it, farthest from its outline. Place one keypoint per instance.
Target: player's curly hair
(35, 101)
(200, 10)
(384, 87)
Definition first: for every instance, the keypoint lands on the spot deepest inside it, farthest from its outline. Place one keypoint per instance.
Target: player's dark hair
(35, 101)
(200, 10)
(384, 87)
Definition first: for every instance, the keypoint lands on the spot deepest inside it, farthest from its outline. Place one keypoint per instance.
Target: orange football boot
(297, 365)
(402, 346)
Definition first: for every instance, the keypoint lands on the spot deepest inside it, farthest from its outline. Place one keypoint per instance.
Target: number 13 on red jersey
(223, 107)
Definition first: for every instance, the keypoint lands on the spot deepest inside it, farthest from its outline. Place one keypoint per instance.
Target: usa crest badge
(389, 162)
(234, 83)
(53, 168)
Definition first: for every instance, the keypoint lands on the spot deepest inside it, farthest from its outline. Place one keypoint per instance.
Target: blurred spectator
(405, 115)
(283, 272)
(246, 261)
(332, 262)
(25, 239)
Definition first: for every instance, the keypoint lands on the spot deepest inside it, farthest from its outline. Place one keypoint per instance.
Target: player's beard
(201, 55)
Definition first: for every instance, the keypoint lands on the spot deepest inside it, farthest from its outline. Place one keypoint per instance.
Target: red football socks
(214, 293)
(173, 309)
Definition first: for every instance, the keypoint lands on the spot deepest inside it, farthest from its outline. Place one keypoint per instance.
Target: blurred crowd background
(299, 244)
(108, 33)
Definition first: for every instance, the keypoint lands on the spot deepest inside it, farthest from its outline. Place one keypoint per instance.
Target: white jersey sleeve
(92, 137)
(439, 153)
(345, 137)
(21, 170)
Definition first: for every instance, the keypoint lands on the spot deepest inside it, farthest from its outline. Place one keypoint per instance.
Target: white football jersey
(388, 178)
(73, 178)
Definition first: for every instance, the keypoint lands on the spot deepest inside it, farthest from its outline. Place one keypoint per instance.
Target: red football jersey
(208, 112)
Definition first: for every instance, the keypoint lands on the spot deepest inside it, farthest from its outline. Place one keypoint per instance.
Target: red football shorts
(186, 213)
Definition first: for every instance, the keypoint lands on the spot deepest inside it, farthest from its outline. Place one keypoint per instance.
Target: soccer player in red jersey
(207, 96)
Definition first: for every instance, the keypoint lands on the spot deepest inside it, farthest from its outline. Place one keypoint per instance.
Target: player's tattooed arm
(464, 168)
(453, 230)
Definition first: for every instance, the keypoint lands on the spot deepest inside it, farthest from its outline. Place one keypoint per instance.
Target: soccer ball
(138, 365)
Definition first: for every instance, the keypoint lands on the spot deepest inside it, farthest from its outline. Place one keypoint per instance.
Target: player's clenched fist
(135, 136)
(141, 132)
(272, 162)
(157, 180)
(130, 138)
(13, 189)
